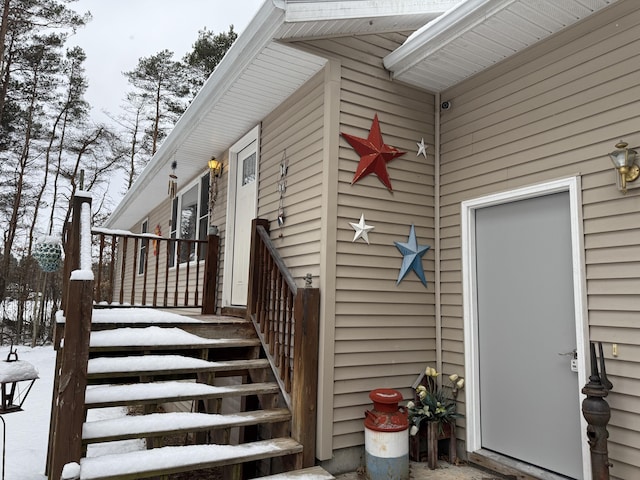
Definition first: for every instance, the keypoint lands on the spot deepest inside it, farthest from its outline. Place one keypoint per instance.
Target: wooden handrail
(137, 277)
(286, 318)
(279, 263)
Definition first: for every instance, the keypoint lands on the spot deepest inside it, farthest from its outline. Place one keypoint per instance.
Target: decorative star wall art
(374, 154)
(422, 148)
(412, 254)
(362, 230)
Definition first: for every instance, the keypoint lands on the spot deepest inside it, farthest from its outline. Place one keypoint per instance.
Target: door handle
(573, 353)
(574, 358)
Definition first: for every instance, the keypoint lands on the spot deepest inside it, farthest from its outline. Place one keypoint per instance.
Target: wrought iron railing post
(597, 413)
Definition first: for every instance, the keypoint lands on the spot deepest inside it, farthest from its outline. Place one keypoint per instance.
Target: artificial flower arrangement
(433, 404)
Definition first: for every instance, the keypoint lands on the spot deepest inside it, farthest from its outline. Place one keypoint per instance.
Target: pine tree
(207, 52)
(159, 81)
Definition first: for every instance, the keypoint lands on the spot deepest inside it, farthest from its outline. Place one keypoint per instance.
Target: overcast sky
(122, 31)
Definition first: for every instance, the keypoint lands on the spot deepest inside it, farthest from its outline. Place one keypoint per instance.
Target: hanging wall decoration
(362, 230)
(422, 148)
(173, 180)
(282, 186)
(156, 247)
(374, 154)
(412, 254)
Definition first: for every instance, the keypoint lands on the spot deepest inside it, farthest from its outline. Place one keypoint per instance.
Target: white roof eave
(215, 107)
(439, 32)
(477, 34)
(258, 34)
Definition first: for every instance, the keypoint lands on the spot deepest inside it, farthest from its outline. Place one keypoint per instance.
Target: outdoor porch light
(623, 159)
(215, 166)
(12, 373)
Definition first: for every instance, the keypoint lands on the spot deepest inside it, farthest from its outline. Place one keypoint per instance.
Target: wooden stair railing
(286, 318)
(67, 412)
(152, 271)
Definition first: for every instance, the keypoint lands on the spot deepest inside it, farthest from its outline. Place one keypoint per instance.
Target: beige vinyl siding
(556, 111)
(384, 333)
(295, 126)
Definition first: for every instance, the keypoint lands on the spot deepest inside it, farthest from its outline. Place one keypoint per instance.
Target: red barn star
(374, 154)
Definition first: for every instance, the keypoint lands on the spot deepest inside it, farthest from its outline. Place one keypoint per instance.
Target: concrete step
(311, 473)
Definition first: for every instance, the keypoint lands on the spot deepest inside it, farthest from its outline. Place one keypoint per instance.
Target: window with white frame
(190, 220)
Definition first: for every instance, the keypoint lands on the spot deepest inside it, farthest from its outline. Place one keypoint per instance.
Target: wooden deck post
(68, 413)
(254, 264)
(67, 424)
(305, 372)
(210, 288)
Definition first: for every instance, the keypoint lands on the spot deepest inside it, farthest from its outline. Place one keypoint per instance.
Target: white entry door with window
(242, 205)
(524, 322)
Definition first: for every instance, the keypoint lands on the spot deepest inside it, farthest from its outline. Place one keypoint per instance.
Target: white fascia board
(441, 31)
(250, 43)
(309, 11)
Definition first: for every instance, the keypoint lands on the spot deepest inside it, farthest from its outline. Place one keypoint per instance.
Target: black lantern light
(16, 379)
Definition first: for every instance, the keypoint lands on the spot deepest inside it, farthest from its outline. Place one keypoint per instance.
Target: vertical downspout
(436, 240)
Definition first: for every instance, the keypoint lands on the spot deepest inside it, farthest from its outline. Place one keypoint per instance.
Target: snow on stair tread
(166, 460)
(171, 337)
(311, 473)
(138, 315)
(159, 423)
(106, 395)
(166, 363)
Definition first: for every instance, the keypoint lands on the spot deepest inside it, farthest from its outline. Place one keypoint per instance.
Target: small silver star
(362, 230)
(422, 148)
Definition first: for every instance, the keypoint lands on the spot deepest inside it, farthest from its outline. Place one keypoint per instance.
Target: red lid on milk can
(386, 416)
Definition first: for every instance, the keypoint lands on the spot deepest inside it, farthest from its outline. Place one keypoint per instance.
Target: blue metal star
(412, 257)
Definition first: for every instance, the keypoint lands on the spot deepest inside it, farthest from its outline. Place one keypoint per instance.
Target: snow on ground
(27, 432)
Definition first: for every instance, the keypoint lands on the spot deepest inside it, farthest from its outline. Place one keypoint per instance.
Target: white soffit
(330, 18)
(477, 34)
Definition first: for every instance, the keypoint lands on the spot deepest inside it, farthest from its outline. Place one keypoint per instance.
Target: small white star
(422, 148)
(362, 230)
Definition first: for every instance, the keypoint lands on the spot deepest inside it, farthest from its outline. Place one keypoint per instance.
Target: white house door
(245, 208)
(529, 395)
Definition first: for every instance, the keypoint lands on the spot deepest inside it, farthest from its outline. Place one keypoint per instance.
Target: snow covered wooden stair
(102, 368)
(206, 391)
(164, 424)
(167, 460)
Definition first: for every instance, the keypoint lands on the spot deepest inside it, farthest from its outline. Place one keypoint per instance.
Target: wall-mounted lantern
(215, 171)
(623, 159)
(215, 166)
